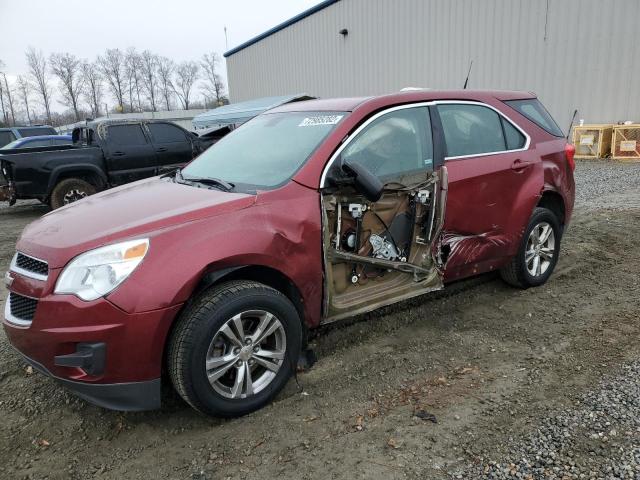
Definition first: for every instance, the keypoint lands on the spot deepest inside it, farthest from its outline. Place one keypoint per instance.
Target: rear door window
(471, 129)
(535, 111)
(126, 135)
(165, 133)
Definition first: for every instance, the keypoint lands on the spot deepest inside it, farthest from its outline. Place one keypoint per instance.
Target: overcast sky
(178, 29)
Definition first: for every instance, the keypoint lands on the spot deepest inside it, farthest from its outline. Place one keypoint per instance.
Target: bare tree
(149, 64)
(185, 77)
(93, 86)
(213, 85)
(24, 88)
(7, 91)
(5, 118)
(166, 67)
(113, 69)
(133, 66)
(66, 67)
(38, 70)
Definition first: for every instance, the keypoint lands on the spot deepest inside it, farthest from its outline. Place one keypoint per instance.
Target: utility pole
(226, 40)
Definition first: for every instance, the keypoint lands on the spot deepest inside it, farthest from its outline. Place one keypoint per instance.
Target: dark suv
(309, 213)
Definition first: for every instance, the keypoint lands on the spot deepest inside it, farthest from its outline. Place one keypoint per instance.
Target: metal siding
(589, 60)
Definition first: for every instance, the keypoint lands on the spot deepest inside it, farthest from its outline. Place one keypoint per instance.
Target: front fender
(281, 231)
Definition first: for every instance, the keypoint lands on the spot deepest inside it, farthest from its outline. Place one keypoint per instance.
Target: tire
(523, 271)
(200, 348)
(70, 190)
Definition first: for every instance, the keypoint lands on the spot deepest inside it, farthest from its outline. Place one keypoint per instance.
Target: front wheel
(538, 253)
(234, 348)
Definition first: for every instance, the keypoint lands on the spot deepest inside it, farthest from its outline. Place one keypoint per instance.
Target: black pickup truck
(104, 154)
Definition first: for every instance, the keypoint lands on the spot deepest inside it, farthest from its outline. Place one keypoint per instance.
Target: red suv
(309, 213)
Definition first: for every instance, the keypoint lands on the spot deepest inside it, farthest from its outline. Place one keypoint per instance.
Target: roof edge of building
(281, 26)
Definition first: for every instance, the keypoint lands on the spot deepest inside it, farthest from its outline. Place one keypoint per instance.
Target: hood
(132, 210)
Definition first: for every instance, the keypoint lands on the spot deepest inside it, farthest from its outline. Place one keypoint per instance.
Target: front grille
(22, 308)
(32, 265)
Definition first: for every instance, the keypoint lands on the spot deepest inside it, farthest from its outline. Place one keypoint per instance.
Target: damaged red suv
(309, 213)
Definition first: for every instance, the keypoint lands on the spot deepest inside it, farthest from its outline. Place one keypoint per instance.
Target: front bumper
(122, 374)
(127, 397)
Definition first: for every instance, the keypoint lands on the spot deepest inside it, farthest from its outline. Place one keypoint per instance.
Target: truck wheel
(70, 190)
(538, 253)
(234, 348)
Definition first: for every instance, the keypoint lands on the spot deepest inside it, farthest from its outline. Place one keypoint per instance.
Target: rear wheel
(538, 253)
(234, 348)
(70, 190)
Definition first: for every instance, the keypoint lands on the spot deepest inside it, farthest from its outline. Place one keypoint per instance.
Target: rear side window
(126, 135)
(165, 133)
(535, 111)
(6, 137)
(34, 132)
(471, 129)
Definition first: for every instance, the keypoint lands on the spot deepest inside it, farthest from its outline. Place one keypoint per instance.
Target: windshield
(266, 151)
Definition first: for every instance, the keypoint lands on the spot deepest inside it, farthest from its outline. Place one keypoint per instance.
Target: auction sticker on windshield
(320, 120)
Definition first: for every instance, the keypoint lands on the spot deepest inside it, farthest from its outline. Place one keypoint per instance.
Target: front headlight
(98, 272)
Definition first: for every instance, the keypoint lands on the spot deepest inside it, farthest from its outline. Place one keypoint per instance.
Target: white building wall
(589, 57)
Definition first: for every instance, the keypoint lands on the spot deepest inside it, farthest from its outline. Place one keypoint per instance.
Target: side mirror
(365, 182)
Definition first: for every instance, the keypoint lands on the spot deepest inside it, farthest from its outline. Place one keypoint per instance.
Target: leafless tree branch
(149, 71)
(38, 70)
(93, 90)
(112, 67)
(166, 67)
(213, 84)
(24, 88)
(185, 77)
(66, 67)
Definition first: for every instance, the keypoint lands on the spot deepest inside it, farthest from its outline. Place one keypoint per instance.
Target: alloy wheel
(541, 246)
(245, 354)
(73, 196)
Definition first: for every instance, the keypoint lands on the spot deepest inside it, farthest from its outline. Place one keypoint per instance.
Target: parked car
(105, 154)
(9, 134)
(309, 213)
(39, 141)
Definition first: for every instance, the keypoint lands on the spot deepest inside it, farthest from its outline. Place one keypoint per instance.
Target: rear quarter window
(535, 111)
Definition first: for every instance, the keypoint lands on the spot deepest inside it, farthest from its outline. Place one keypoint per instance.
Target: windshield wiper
(215, 182)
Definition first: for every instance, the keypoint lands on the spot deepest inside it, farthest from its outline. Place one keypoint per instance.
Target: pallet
(625, 143)
(592, 141)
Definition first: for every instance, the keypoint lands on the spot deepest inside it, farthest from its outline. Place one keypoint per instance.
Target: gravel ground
(596, 180)
(598, 438)
(484, 381)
